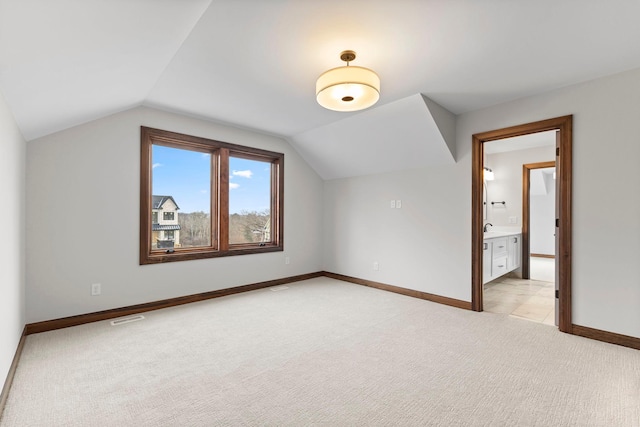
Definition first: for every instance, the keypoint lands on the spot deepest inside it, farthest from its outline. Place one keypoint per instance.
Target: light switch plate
(96, 289)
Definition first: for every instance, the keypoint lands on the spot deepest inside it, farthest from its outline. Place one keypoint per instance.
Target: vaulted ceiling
(254, 63)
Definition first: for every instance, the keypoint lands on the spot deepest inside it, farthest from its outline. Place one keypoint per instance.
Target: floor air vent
(279, 288)
(127, 320)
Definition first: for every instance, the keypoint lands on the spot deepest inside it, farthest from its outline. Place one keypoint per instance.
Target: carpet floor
(322, 352)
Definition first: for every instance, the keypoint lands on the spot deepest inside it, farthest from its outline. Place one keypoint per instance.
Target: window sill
(158, 257)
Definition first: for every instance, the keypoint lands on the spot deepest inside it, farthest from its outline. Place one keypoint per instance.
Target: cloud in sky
(155, 165)
(233, 185)
(244, 174)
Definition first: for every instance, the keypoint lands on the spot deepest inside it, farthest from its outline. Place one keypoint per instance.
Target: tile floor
(526, 299)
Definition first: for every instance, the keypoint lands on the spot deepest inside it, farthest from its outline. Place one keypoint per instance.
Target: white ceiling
(253, 63)
(408, 133)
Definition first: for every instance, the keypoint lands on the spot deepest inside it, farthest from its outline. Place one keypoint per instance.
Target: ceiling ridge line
(164, 69)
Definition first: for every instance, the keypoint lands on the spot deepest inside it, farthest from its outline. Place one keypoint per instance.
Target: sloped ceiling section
(541, 181)
(254, 64)
(410, 133)
(67, 62)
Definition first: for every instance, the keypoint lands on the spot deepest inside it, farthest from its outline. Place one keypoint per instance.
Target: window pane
(249, 201)
(181, 185)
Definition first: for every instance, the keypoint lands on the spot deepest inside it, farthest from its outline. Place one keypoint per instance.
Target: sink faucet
(485, 227)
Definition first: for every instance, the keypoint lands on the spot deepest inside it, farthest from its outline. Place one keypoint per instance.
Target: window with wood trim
(216, 198)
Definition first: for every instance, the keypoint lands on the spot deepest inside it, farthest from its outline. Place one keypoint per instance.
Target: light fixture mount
(347, 56)
(348, 88)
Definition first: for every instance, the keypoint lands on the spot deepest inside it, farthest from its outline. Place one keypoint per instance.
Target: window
(221, 199)
(249, 201)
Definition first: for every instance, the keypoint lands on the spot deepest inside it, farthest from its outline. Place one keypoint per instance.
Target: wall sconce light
(348, 88)
(488, 174)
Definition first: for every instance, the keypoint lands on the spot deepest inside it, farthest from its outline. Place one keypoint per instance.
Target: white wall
(73, 240)
(12, 189)
(507, 185)
(424, 245)
(606, 207)
(427, 244)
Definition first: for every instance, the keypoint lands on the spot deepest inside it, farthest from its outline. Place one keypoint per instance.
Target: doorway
(521, 209)
(563, 126)
(527, 217)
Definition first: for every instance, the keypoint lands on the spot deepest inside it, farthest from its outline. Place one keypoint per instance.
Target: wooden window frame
(220, 153)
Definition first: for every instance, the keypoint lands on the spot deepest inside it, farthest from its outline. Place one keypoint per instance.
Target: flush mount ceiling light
(348, 88)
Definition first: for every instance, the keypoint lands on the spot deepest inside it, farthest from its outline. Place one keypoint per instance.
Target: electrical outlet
(393, 204)
(376, 266)
(287, 260)
(513, 220)
(96, 289)
(398, 204)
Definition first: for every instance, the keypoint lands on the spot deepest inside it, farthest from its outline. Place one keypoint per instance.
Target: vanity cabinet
(500, 255)
(514, 249)
(486, 261)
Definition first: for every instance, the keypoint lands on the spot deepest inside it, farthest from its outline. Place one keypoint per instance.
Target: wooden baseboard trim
(12, 371)
(542, 256)
(50, 325)
(608, 337)
(403, 291)
(81, 319)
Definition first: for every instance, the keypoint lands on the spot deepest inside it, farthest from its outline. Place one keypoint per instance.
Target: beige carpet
(322, 352)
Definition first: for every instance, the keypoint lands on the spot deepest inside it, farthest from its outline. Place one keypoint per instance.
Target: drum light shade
(348, 88)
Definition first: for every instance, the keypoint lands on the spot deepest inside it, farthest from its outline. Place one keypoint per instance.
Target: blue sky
(185, 175)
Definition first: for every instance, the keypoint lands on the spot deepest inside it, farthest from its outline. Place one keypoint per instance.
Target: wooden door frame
(564, 174)
(526, 212)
